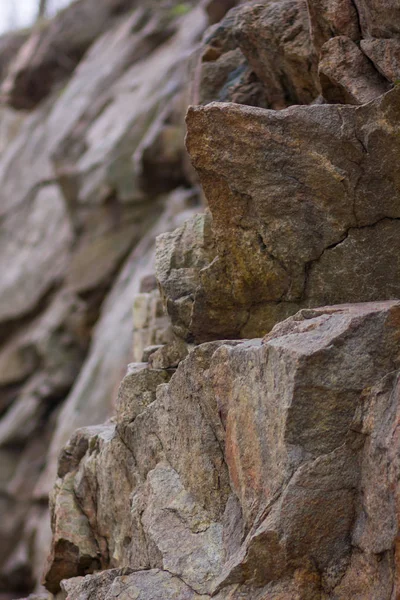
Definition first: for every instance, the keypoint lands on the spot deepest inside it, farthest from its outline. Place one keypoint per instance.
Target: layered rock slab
(254, 473)
(284, 189)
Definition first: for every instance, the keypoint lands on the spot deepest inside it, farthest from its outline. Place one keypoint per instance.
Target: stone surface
(151, 326)
(272, 226)
(346, 74)
(34, 262)
(78, 218)
(216, 9)
(221, 71)
(331, 18)
(147, 585)
(274, 36)
(379, 18)
(235, 470)
(264, 469)
(385, 54)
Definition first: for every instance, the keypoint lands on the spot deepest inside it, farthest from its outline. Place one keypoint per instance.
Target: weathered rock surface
(262, 470)
(385, 54)
(379, 18)
(274, 36)
(79, 215)
(149, 585)
(346, 74)
(331, 18)
(233, 470)
(273, 227)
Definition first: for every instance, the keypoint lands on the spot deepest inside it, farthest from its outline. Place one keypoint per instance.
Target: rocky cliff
(251, 450)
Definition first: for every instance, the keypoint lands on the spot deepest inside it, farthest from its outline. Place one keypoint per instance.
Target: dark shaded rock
(274, 37)
(216, 9)
(385, 54)
(331, 18)
(346, 74)
(222, 72)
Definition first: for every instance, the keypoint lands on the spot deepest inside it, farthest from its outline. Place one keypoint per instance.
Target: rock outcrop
(263, 469)
(250, 452)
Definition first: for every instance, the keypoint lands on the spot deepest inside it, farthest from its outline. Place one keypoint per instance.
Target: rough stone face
(264, 469)
(379, 18)
(221, 71)
(274, 36)
(148, 585)
(79, 215)
(248, 470)
(385, 54)
(180, 258)
(331, 18)
(34, 263)
(53, 50)
(216, 9)
(151, 326)
(346, 74)
(272, 226)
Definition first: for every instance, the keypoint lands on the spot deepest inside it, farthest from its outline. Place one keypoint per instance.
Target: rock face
(78, 218)
(251, 451)
(260, 467)
(276, 228)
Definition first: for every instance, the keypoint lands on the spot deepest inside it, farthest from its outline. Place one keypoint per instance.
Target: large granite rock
(296, 190)
(244, 471)
(260, 54)
(263, 469)
(147, 585)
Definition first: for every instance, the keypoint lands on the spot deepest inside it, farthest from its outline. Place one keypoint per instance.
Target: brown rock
(379, 18)
(262, 470)
(170, 355)
(378, 263)
(346, 74)
(294, 186)
(385, 54)
(151, 326)
(221, 71)
(331, 18)
(274, 37)
(74, 549)
(127, 494)
(148, 585)
(137, 391)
